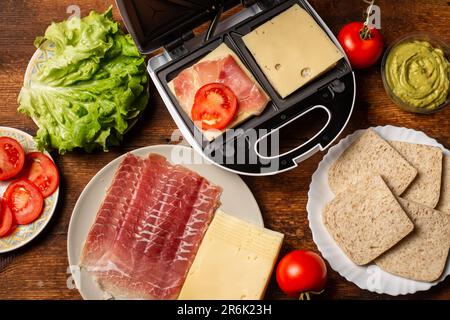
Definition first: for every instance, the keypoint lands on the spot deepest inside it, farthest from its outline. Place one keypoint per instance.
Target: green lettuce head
(85, 95)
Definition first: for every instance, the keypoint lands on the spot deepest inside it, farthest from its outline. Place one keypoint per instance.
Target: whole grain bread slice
(444, 200)
(426, 187)
(366, 220)
(369, 154)
(422, 255)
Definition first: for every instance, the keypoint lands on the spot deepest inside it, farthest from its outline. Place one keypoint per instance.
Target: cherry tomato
(41, 170)
(362, 45)
(25, 201)
(12, 158)
(7, 223)
(300, 272)
(214, 106)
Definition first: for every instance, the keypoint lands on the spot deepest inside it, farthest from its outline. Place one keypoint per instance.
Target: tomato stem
(307, 294)
(365, 31)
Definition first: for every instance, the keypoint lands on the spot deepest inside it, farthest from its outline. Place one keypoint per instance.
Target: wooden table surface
(40, 269)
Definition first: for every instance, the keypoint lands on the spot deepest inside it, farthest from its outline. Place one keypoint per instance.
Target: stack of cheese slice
(234, 261)
(384, 209)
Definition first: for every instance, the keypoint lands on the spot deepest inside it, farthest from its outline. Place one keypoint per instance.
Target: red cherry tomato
(12, 158)
(41, 170)
(300, 272)
(25, 201)
(214, 106)
(361, 51)
(7, 223)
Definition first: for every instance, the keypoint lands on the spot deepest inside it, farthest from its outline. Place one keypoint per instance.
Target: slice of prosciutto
(148, 228)
(221, 66)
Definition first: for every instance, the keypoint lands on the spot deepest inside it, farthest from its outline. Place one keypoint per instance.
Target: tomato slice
(42, 171)
(7, 223)
(214, 106)
(25, 201)
(12, 158)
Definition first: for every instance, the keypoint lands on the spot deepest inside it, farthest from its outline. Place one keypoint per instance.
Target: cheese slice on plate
(292, 49)
(234, 261)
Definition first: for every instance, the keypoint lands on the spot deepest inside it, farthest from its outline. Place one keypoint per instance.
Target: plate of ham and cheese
(158, 223)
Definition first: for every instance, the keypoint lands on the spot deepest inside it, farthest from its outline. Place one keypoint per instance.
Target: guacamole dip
(418, 74)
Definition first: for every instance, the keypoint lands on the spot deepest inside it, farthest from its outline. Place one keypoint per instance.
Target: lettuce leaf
(85, 95)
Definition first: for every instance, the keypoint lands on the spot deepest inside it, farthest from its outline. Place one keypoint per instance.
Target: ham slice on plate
(221, 66)
(148, 228)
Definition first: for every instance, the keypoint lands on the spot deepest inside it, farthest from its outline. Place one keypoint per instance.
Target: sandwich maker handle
(338, 110)
(305, 147)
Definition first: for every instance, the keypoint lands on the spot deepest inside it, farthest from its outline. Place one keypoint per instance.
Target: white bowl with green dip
(416, 73)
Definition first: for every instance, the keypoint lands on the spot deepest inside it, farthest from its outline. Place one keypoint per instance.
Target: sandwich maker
(166, 27)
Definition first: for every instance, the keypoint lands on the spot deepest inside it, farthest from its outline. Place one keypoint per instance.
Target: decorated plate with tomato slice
(29, 189)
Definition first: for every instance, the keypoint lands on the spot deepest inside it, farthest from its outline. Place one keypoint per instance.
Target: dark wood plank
(39, 270)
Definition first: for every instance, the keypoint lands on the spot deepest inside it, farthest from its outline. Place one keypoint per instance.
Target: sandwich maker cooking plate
(252, 148)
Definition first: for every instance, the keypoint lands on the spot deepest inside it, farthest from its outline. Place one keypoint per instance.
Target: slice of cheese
(234, 261)
(292, 49)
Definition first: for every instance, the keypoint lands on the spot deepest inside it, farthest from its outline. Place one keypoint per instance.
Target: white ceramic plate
(236, 200)
(24, 234)
(369, 277)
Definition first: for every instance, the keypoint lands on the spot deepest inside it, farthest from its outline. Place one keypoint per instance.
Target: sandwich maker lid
(157, 23)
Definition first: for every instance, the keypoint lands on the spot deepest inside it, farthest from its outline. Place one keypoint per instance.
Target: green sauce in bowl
(418, 74)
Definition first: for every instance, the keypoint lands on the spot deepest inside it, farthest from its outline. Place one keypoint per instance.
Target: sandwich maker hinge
(176, 48)
(218, 10)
